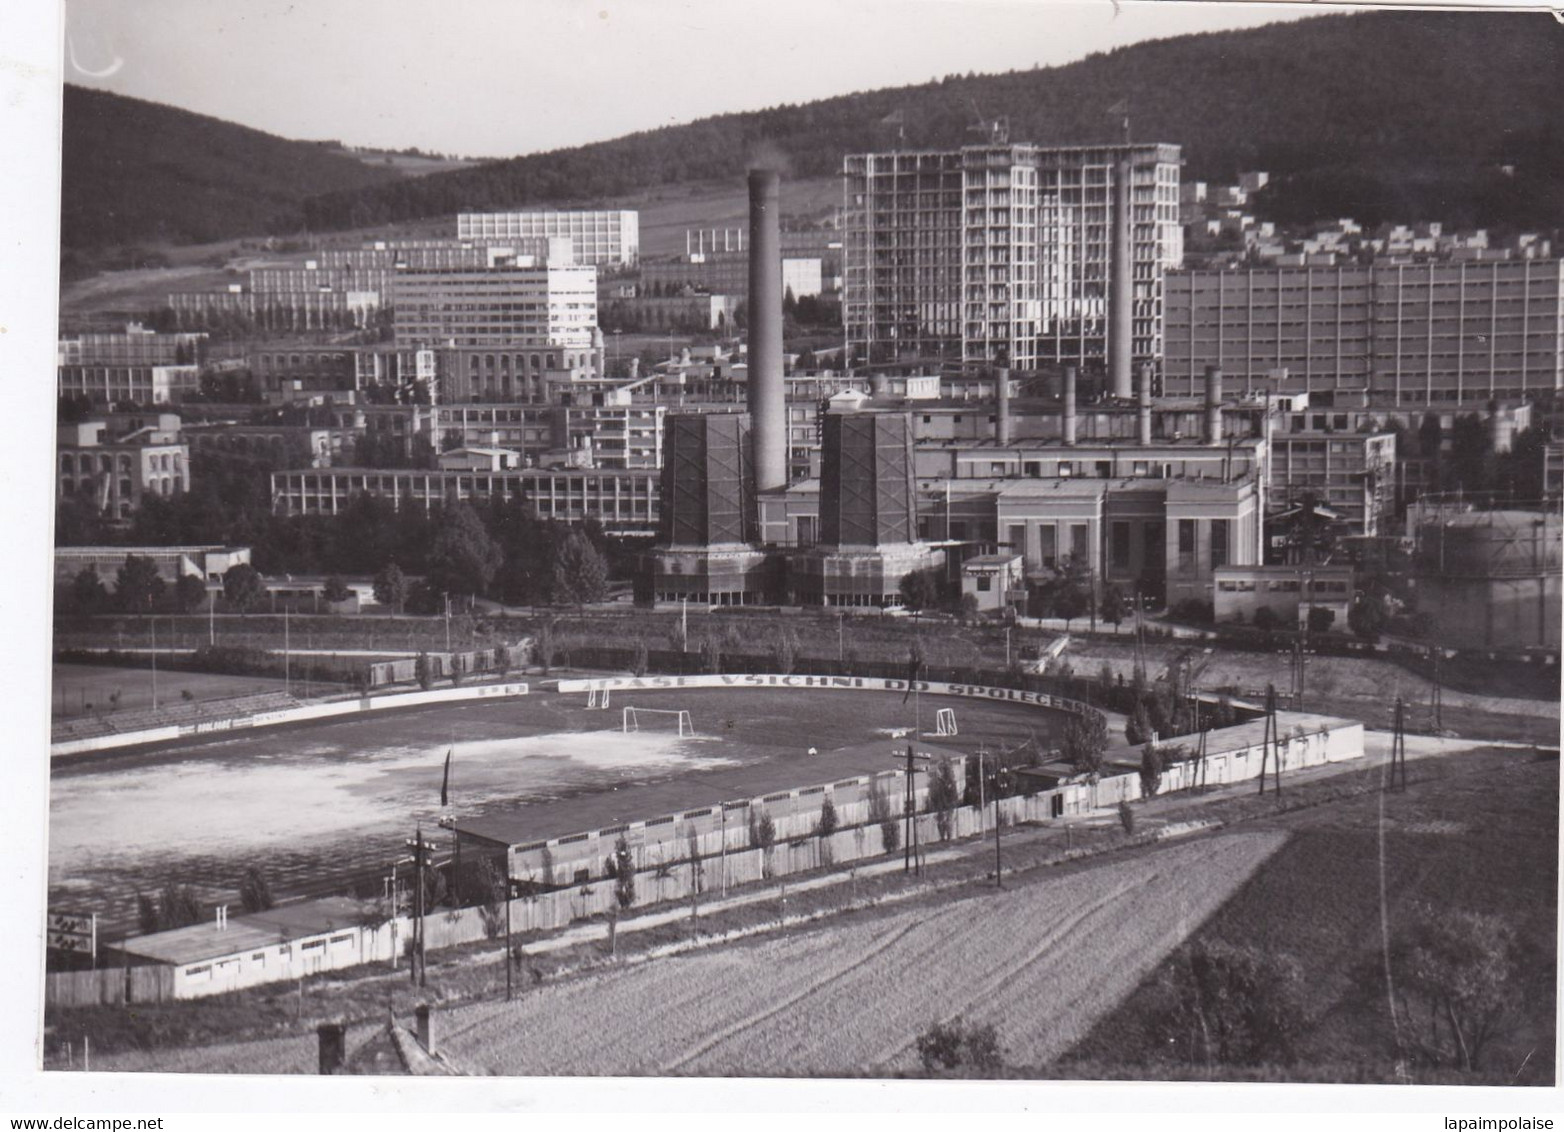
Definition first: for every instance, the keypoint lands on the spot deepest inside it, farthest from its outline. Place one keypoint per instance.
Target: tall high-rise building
(1002, 252)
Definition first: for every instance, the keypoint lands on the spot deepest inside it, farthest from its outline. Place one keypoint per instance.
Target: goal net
(658, 719)
(945, 722)
(597, 699)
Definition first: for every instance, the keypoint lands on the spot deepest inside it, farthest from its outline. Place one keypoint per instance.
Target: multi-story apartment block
(1406, 333)
(118, 470)
(504, 306)
(1002, 252)
(601, 238)
(138, 365)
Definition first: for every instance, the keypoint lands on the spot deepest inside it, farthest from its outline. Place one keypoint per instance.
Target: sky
(497, 78)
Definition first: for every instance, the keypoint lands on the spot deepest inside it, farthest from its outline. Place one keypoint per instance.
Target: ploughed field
(1041, 962)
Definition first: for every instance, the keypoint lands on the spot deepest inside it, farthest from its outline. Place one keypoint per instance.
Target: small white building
(990, 578)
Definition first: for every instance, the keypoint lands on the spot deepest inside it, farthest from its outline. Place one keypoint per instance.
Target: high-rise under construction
(1006, 253)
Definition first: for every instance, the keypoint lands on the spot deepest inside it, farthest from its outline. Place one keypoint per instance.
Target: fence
(441, 665)
(287, 715)
(109, 986)
(669, 662)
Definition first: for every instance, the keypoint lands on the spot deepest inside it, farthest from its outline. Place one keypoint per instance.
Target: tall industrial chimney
(1143, 408)
(1121, 288)
(1069, 405)
(1002, 389)
(767, 408)
(1213, 405)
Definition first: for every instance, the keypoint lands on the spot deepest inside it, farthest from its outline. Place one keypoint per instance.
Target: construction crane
(995, 131)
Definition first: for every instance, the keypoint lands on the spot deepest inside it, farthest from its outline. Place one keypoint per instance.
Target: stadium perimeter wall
(303, 713)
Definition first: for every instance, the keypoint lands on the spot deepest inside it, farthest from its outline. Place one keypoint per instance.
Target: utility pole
(1270, 738)
(152, 625)
(285, 647)
(421, 853)
(211, 618)
(447, 598)
(1398, 749)
(999, 875)
(841, 647)
(910, 861)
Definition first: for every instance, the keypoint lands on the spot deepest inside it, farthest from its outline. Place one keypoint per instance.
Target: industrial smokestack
(1121, 284)
(1002, 387)
(1213, 405)
(1069, 405)
(1143, 408)
(766, 405)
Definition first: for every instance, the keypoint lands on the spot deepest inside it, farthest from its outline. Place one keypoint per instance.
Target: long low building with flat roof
(624, 501)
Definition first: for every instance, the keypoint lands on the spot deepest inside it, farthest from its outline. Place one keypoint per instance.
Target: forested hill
(1404, 115)
(1385, 115)
(139, 171)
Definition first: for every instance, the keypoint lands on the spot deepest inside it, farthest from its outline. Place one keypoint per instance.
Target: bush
(622, 869)
(880, 814)
(956, 1046)
(1231, 1006)
(1127, 818)
(828, 820)
(944, 796)
(1150, 770)
(1266, 620)
(254, 891)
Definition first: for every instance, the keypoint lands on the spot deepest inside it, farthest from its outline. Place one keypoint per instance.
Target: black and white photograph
(949, 546)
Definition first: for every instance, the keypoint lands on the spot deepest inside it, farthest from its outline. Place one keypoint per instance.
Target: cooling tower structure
(1487, 581)
(708, 522)
(767, 407)
(868, 514)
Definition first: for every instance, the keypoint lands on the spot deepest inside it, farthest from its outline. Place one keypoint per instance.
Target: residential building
(996, 252)
(601, 238)
(117, 470)
(1406, 333)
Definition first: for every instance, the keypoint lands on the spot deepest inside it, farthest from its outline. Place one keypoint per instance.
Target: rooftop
(204, 941)
(541, 821)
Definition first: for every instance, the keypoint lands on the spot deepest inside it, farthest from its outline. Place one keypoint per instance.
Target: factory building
(602, 238)
(1407, 334)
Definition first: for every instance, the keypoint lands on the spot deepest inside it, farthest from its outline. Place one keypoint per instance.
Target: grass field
(87, 689)
(1477, 832)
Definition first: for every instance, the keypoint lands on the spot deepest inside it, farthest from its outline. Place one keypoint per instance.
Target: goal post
(945, 721)
(658, 719)
(597, 699)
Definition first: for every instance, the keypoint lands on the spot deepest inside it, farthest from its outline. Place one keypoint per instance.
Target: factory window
(1078, 544)
(1120, 549)
(984, 583)
(1219, 536)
